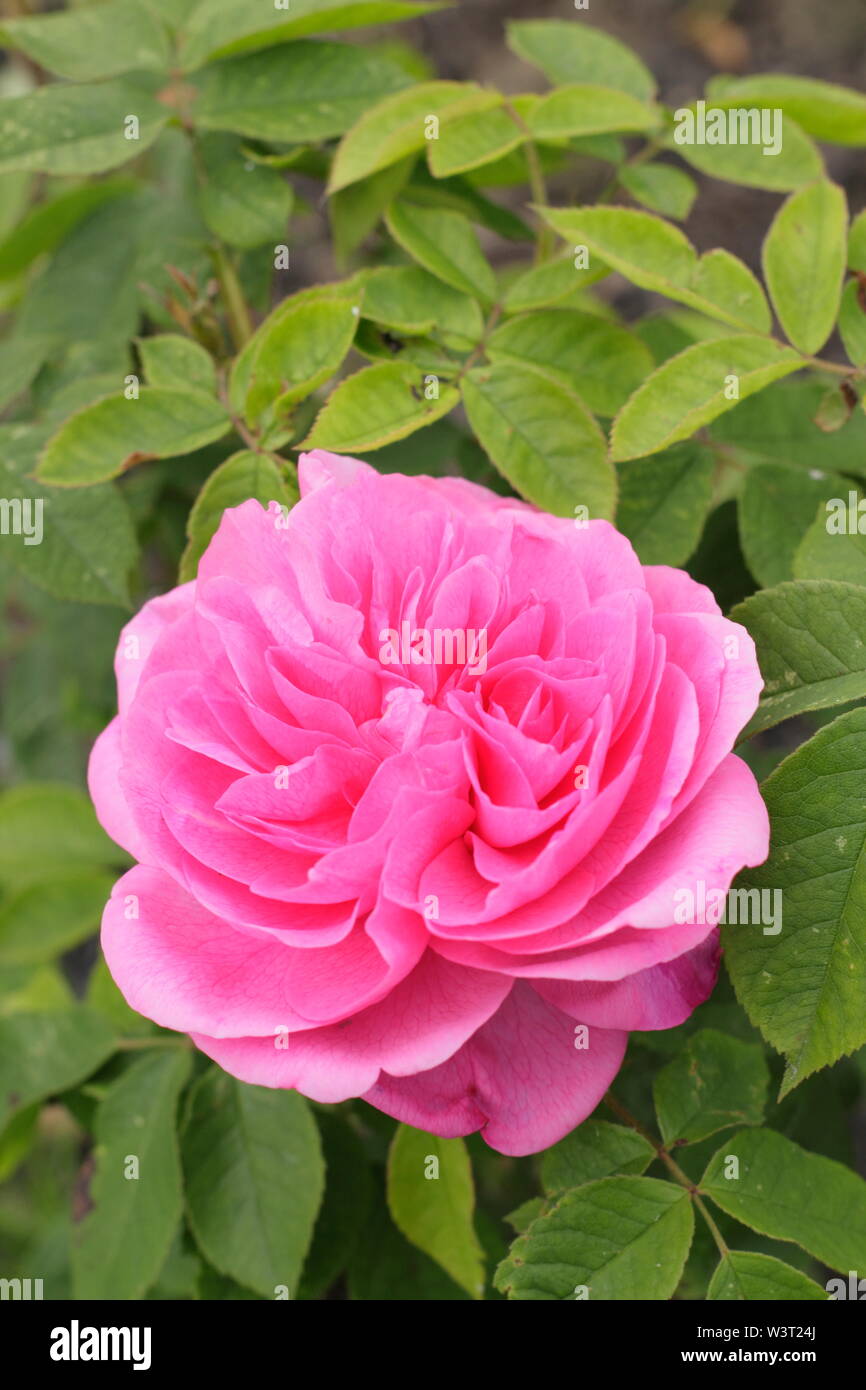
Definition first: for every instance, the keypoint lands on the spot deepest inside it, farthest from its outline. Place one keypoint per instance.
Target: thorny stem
(673, 1168)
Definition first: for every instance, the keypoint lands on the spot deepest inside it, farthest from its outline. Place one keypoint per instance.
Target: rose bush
(409, 880)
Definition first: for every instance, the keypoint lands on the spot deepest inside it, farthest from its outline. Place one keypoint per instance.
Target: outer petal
(520, 1079)
(661, 997)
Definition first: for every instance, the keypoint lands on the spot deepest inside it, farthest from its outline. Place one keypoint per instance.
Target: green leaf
(376, 406)
(664, 501)
(412, 301)
(254, 1179)
(602, 363)
(240, 477)
(857, 242)
(809, 641)
(173, 361)
(398, 125)
(386, 1267)
(97, 41)
(45, 226)
(105, 998)
(431, 1198)
(243, 203)
(42, 1054)
(744, 161)
(659, 257)
(823, 554)
(596, 1149)
(300, 351)
(356, 210)
(88, 545)
(43, 920)
(804, 263)
(660, 187)
(622, 1239)
(714, 1083)
(121, 1245)
(541, 438)
(852, 323)
(570, 52)
(588, 110)
(217, 28)
(444, 243)
(823, 109)
(549, 283)
(345, 1210)
(17, 1139)
(743, 1274)
(305, 91)
(804, 988)
(473, 140)
(776, 507)
(113, 435)
(695, 387)
(79, 130)
(48, 830)
(789, 1194)
(779, 426)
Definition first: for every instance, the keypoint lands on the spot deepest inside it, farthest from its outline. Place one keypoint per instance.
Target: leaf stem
(673, 1168)
(237, 313)
(538, 187)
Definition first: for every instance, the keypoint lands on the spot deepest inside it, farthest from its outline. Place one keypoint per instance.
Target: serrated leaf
(304, 91)
(569, 52)
(852, 322)
(42, 1054)
(243, 203)
(300, 351)
(714, 1083)
(804, 987)
(473, 140)
(596, 1149)
(660, 187)
(88, 545)
(444, 243)
(789, 1194)
(217, 28)
(779, 426)
(432, 1203)
(744, 1274)
(254, 1179)
(657, 256)
(693, 388)
(541, 438)
(744, 161)
(63, 129)
(121, 1245)
(173, 361)
(43, 920)
(775, 509)
(93, 42)
(823, 109)
(825, 554)
(240, 477)
(412, 301)
(105, 439)
(376, 406)
(398, 125)
(587, 109)
(620, 1239)
(809, 638)
(549, 283)
(600, 362)
(664, 501)
(804, 263)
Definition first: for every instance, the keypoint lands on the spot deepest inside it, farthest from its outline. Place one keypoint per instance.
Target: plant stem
(546, 242)
(237, 313)
(673, 1168)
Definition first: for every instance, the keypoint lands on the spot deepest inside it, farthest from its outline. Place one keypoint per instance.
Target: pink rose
(416, 778)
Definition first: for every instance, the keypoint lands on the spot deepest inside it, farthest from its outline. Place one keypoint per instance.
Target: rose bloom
(373, 864)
